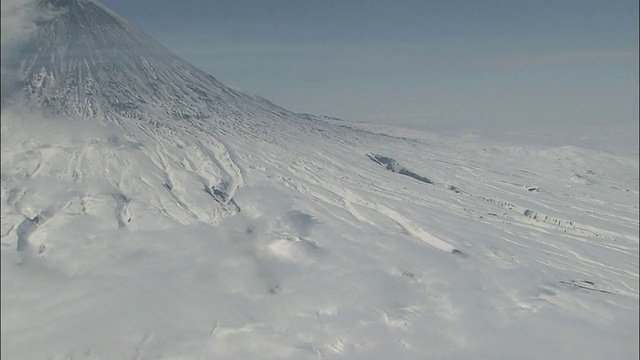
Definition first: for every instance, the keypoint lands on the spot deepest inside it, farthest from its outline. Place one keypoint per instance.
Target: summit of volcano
(85, 61)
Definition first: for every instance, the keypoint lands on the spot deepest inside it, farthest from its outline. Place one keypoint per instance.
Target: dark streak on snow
(394, 166)
(459, 253)
(584, 284)
(219, 193)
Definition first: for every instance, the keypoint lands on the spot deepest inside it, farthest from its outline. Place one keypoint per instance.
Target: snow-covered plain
(258, 233)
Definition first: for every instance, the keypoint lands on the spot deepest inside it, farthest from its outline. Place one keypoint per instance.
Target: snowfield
(112, 247)
(209, 224)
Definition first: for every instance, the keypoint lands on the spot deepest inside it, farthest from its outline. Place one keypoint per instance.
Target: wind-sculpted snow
(328, 257)
(245, 231)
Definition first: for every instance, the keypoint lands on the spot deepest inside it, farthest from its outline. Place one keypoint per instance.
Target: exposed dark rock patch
(584, 284)
(459, 253)
(220, 193)
(394, 166)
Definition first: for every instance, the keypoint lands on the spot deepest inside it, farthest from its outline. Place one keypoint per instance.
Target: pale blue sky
(478, 66)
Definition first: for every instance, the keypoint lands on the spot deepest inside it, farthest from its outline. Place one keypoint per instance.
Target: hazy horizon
(549, 73)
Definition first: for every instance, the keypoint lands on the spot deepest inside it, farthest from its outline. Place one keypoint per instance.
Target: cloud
(18, 21)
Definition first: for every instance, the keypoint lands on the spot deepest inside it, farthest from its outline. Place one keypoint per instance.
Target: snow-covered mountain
(161, 113)
(86, 61)
(151, 212)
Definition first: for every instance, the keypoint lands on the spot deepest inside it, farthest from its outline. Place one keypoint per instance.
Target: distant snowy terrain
(210, 224)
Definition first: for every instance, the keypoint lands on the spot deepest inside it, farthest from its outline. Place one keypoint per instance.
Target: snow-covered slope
(86, 61)
(150, 212)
